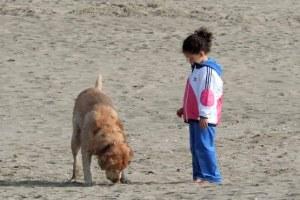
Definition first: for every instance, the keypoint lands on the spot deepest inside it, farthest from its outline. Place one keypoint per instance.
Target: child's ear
(202, 53)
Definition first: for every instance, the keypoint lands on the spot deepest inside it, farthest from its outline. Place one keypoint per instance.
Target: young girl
(202, 105)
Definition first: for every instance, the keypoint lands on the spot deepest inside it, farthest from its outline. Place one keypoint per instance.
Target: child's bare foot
(203, 183)
(197, 181)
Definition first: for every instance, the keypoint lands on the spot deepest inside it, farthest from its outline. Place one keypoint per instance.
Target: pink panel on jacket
(191, 105)
(207, 97)
(219, 109)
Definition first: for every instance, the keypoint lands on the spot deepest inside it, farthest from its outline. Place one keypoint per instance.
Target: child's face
(195, 58)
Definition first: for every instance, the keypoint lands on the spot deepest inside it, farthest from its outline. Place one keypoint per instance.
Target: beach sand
(52, 50)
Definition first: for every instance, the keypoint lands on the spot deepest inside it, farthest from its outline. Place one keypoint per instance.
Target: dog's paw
(125, 181)
(88, 184)
(72, 180)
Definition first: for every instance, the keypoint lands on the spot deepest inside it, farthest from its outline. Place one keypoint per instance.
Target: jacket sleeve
(207, 92)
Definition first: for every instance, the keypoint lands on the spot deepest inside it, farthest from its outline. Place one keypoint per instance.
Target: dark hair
(200, 40)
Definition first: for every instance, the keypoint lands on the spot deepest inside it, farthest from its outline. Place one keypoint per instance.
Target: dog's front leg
(86, 164)
(124, 178)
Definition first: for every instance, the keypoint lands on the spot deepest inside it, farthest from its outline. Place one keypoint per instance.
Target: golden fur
(97, 130)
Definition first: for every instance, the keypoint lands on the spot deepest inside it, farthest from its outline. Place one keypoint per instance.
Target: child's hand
(203, 123)
(180, 112)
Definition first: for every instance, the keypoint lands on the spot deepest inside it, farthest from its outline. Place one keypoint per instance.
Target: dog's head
(114, 158)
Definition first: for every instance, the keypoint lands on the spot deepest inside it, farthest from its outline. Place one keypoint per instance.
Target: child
(202, 105)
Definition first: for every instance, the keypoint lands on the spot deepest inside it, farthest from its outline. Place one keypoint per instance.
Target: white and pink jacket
(203, 95)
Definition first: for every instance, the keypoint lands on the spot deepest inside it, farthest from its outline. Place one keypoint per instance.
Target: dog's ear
(127, 155)
(130, 155)
(109, 160)
(120, 124)
(104, 156)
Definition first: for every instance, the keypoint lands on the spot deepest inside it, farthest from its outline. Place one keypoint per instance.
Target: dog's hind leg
(75, 146)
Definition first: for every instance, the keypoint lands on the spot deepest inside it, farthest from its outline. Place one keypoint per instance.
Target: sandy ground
(51, 50)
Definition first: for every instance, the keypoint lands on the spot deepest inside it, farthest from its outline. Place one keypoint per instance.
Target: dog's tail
(98, 83)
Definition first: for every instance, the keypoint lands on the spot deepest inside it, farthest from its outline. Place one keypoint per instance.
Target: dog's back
(90, 97)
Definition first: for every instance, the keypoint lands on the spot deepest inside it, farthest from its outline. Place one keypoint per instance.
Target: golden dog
(97, 130)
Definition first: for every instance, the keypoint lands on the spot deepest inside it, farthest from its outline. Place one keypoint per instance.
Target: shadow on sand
(45, 183)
